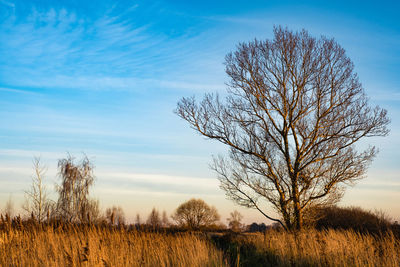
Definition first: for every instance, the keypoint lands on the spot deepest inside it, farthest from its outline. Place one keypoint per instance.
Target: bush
(353, 218)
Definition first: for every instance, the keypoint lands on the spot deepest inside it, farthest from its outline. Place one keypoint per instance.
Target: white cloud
(158, 179)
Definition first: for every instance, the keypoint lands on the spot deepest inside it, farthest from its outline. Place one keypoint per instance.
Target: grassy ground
(104, 246)
(311, 248)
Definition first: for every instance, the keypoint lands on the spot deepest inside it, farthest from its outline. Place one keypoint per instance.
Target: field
(313, 248)
(84, 246)
(105, 246)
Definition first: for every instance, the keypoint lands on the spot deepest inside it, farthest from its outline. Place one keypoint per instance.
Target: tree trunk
(298, 216)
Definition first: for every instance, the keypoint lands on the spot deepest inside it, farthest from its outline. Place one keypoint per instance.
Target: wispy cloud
(17, 91)
(59, 49)
(19, 153)
(140, 192)
(115, 83)
(7, 3)
(163, 179)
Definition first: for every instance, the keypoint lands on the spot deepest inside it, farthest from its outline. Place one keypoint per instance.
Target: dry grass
(315, 248)
(104, 247)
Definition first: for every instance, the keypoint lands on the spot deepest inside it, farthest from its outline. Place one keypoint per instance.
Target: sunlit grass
(317, 248)
(72, 245)
(105, 247)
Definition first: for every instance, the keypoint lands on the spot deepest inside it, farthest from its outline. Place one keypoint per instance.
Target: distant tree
(276, 225)
(76, 179)
(115, 215)
(195, 214)
(154, 219)
(294, 112)
(93, 211)
(9, 207)
(138, 220)
(255, 227)
(234, 221)
(164, 220)
(37, 203)
(52, 212)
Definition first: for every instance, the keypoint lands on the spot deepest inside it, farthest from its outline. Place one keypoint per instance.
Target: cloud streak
(59, 49)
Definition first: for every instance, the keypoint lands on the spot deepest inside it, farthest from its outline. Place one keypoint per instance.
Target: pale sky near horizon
(103, 78)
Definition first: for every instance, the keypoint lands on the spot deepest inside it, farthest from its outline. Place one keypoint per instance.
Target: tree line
(74, 204)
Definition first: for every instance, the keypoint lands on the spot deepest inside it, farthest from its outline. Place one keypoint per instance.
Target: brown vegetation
(69, 245)
(311, 248)
(28, 243)
(352, 218)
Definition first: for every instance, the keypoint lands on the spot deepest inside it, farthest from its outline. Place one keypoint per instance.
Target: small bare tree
(154, 219)
(76, 179)
(195, 214)
(164, 220)
(37, 203)
(295, 110)
(138, 220)
(93, 212)
(235, 221)
(9, 207)
(115, 215)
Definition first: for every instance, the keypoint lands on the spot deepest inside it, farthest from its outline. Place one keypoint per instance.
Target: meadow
(313, 248)
(90, 245)
(102, 246)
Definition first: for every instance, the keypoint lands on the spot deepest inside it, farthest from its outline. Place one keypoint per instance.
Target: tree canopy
(195, 213)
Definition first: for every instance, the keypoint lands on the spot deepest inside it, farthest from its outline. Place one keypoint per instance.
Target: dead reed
(318, 248)
(72, 245)
(91, 246)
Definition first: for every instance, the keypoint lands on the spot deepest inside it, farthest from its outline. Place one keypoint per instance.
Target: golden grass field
(94, 246)
(104, 247)
(318, 248)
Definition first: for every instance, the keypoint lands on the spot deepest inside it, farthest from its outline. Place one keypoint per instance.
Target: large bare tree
(293, 113)
(76, 179)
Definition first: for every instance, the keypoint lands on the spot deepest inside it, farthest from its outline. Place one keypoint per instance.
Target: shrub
(353, 218)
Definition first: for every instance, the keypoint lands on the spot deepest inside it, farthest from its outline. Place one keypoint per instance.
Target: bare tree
(93, 212)
(154, 219)
(37, 203)
(235, 221)
(138, 221)
(76, 179)
(9, 207)
(115, 215)
(295, 110)
(164, 220)
(195, 214)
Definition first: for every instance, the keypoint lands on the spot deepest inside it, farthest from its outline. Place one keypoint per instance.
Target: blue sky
(103, 78)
